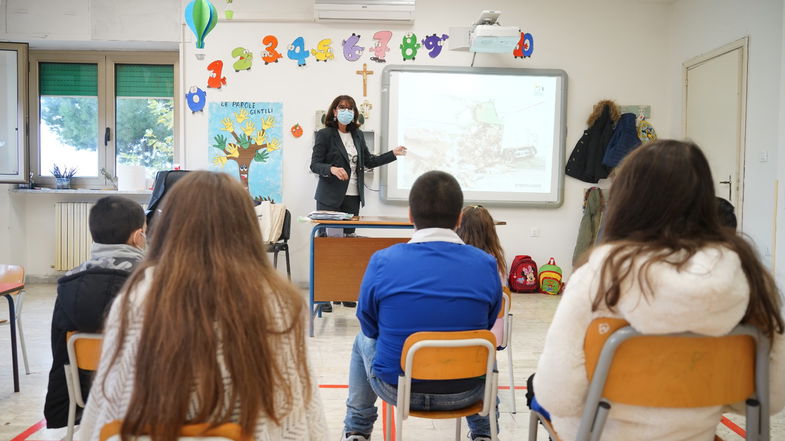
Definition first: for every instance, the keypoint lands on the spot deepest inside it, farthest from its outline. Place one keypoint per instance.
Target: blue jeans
(365, 387)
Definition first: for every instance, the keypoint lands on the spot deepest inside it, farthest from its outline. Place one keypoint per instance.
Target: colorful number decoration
(433, 43)
(351, 51)
(380, 47)
(269, 54)
(528, 45)
(409, 46)
(525, 46)
(297, 51)
(216, 80)
(244, 61)
(323, 51)
(297, 130)
(196, 99)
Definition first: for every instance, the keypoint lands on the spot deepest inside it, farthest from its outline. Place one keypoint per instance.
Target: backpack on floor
(523, 275)
(550, 278)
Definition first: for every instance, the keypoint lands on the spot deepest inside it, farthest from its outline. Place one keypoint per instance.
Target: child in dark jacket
(86, 292)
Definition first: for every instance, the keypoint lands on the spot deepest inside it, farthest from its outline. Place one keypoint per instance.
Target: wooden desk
(338, 263)
(6, 290)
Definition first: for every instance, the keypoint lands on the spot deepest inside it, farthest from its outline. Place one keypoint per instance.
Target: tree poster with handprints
(245, 141)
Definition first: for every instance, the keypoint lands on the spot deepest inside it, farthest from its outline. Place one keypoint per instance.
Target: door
(714, 112)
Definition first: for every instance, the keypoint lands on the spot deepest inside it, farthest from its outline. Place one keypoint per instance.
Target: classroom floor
(21, 413)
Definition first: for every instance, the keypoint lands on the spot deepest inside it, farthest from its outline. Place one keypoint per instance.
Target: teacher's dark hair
(435, 200)
(331, 121)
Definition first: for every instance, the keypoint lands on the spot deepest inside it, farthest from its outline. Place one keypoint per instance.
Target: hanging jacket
(623, 141)
(585, 161)
(593, 204)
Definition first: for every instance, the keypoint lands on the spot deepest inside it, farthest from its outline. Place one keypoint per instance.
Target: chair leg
(457, 429)
(533, 421)
(69, 435)
(388, 419)
(492, 413)
(288, 268)
(399, 423)
(19, 301)
(275, 259)
(512, 376)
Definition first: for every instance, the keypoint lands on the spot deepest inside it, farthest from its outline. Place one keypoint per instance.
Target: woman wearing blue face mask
(340, 157)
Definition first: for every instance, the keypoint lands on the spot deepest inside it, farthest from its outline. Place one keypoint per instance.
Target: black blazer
(328, 151)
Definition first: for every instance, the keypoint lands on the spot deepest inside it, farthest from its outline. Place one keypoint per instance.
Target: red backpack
(523, 275)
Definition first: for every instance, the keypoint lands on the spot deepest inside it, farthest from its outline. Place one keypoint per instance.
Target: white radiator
(72, 234)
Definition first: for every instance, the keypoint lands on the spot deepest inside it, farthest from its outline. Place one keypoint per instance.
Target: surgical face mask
(345, 116)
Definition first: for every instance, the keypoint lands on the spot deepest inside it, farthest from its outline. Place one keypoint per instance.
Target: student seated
(206, 330)
(84, 294)
(666, 265)
(432, 283)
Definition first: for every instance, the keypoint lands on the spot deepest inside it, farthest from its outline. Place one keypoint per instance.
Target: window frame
(23, 158)
(106, 61)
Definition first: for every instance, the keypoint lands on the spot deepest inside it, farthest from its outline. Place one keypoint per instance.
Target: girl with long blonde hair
(205, 330)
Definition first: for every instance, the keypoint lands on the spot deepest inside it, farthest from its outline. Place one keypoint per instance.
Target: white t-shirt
(348, 142)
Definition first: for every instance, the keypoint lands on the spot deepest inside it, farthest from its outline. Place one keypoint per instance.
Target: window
(13, 112)
(94, 112)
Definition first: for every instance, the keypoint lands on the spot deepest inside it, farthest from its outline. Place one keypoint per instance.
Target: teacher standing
(340, 157)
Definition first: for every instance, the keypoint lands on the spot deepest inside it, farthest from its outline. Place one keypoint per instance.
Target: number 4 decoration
(297, 51)
(216, 80)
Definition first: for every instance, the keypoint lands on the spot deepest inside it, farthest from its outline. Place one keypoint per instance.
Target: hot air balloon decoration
(201, 16)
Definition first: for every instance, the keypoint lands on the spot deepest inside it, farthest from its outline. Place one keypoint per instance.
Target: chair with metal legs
(16, 274)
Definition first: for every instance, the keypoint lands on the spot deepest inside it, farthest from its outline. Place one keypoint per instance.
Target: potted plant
(63, 177)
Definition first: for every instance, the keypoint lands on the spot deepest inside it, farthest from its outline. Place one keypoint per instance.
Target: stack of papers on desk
(329, 215)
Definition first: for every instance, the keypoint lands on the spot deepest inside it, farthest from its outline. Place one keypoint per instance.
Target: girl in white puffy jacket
(665, 265)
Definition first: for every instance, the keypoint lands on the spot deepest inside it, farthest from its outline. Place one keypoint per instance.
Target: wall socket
(534, 232)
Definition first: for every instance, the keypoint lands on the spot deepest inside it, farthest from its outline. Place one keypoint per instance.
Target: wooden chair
(201, 432)
(506, 343)
(447, 356)
(84, 352)
(16, 274)
(674, 370)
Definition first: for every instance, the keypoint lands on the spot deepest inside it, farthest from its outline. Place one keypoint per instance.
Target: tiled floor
(329, 352)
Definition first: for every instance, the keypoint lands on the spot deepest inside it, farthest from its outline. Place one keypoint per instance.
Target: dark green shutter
(68, 79)
(144, 80)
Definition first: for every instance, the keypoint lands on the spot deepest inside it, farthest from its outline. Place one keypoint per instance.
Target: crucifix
(365, 72)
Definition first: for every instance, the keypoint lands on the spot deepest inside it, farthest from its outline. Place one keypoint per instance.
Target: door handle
(107, 136)
(730, 188)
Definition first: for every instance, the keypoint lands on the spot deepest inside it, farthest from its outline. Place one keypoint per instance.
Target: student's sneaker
(480, 438)
(326, 307)
(355, 437)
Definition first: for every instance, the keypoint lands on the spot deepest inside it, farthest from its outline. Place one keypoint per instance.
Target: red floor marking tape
(30, 430)
(734, 427)
(346, 386)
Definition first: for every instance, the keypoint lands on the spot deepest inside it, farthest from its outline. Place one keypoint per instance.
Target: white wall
(699, 26)
(780, 214)
(605, 49)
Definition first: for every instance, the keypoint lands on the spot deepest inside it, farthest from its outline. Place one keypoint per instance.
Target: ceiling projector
(484, 35)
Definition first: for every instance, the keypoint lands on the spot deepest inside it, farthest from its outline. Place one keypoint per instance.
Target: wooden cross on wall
(365, 72)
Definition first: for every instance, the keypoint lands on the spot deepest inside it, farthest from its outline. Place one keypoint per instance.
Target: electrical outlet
(764, 156)
(534, 232)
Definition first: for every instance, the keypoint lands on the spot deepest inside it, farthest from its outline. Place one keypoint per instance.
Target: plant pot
(63, 183)
(229, 14)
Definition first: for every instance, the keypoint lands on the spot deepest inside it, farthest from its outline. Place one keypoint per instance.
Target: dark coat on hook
(585, 161)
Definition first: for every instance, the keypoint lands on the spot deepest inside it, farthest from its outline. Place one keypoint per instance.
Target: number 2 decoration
(245, 59)
(380, 47)
(216, 80)
(269, 54)
(297, 51)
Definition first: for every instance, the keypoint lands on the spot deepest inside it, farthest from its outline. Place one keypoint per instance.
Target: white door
(715, 97)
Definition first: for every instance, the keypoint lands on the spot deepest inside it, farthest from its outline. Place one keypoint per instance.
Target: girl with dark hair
(205, 330)
(340, 158)
(665, 265)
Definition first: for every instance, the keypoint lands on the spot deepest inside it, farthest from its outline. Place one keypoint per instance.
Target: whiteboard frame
(559, 149)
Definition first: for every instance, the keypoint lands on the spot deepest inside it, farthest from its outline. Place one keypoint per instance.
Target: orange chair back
(505, 303)
(231, 431)
(12, 274)
(448, 363)
(668, 371)
(88, 352)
